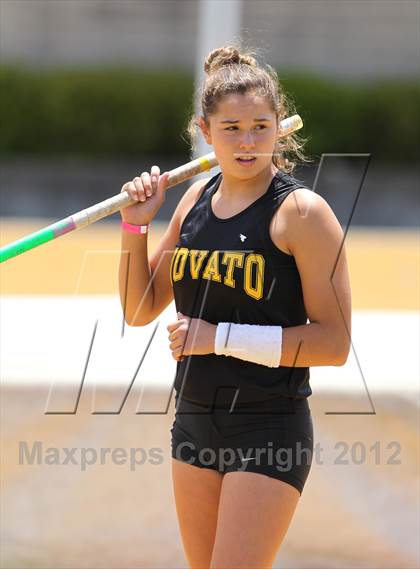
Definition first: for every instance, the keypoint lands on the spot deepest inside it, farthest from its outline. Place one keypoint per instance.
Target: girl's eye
(258, 125)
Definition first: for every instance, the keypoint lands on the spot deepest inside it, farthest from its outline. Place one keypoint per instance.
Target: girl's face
(243, 125)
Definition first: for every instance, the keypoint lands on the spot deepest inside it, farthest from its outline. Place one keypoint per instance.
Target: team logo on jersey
(239, 268)
(242, 237)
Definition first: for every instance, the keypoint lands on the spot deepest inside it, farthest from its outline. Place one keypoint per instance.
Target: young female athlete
(250, 255)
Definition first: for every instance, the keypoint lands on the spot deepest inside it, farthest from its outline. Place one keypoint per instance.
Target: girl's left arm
(316, 240)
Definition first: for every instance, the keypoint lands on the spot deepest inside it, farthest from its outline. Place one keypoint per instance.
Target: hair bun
(228, 55)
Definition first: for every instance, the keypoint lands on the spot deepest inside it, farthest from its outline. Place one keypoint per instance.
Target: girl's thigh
(197, 492)
(254, 514)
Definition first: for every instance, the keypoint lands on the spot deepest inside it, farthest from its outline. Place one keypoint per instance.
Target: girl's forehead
(245, 104)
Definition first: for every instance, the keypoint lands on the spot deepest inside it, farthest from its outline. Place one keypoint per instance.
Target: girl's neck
(234, 190)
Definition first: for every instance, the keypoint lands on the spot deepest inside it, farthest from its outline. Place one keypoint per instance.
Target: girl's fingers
(177, 353)
(147, 184)
(173, 336)
(131, 189)
(154, 177)
(161, 186)
(163, 180)
(138, 184)
(174, 326)
(176, 344)
(178, 358)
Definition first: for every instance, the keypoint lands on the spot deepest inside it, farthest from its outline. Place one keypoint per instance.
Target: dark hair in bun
(223, 56)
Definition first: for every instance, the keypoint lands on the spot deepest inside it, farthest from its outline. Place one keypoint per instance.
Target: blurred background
(94, 92)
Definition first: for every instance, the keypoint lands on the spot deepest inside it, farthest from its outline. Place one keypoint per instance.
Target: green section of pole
(26, 243)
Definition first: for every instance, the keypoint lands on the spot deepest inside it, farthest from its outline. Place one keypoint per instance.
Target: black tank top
(229, 270)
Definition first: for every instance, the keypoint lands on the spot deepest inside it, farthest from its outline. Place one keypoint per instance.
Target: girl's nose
(247, 140)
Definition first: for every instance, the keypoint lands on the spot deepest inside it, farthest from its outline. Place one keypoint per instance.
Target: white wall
(345, 38)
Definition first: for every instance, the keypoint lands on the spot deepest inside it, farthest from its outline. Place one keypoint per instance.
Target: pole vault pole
(111, 205)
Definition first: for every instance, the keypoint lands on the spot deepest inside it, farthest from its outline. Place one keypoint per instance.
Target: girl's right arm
(145, 287)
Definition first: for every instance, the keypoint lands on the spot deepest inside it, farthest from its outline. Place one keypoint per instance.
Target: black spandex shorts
(273, 437)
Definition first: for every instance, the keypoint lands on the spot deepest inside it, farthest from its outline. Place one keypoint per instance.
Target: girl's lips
(246, 162)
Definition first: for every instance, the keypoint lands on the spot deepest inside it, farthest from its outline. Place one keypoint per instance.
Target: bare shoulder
(308, 218)
(301, 202)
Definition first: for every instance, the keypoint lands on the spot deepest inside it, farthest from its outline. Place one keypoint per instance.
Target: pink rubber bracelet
(134, 228)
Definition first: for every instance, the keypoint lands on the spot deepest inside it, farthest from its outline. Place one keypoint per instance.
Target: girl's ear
(204, 129)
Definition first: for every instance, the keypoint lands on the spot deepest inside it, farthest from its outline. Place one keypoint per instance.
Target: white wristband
(250, 342)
